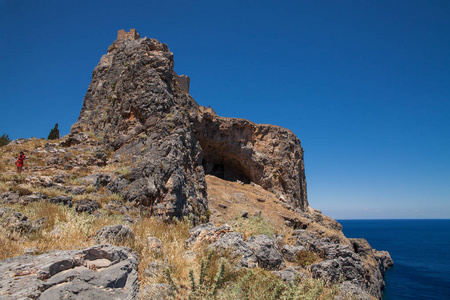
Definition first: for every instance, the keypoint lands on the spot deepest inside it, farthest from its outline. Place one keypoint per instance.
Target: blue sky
(365, 85)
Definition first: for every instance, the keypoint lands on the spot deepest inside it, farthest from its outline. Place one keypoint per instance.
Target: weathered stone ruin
(132, 35)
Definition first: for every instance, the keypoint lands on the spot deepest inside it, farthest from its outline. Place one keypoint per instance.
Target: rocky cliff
(141, 108)
(143, 153)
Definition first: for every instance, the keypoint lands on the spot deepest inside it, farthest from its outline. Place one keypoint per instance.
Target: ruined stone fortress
(183, 80)
(132, 35)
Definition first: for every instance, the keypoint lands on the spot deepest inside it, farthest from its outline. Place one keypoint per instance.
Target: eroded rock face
(136, 103)
(237, 149)
(142, 110)
(355, 267)
(99, 272)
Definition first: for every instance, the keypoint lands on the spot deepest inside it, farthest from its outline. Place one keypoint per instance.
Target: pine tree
(4, 140)
(54, 133)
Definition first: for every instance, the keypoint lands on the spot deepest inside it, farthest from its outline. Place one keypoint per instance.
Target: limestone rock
(384, 260)
(233, 243)
(257, 251)
(144, 113)
(349, 290)
(89, 206)
(237, 149)
(9, 197)
(17, 224)
(74, 139)
(290, 252)
(142, 109)
(266, 253)
(99, 272)
(64, 200)
(114, 234)
(290, 274)
(206, 233)
(98, 179)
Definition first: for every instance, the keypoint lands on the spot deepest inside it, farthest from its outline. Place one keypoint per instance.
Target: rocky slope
(143, 152)
(137, 104)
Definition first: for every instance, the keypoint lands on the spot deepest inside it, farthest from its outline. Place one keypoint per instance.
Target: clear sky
(365, 85)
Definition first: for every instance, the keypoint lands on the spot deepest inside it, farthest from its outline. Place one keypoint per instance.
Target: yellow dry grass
(66, 229)
(239, 197)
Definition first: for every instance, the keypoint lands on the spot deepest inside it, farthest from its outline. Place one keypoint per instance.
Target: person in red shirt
(20, 161)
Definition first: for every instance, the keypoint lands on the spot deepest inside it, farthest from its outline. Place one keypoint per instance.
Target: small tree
(54, 133)
(4, 140)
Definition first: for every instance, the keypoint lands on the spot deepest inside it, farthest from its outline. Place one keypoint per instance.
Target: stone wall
(132, 35)
(184, 81)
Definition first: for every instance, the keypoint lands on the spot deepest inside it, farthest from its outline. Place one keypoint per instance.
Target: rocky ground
(64, 200)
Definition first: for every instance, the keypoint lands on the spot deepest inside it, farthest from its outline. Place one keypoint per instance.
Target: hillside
(157, 197)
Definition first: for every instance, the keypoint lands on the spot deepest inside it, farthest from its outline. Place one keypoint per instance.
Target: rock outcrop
(99, 272)
(142, 111)
(143, 146)
(268, 155)
(356, 268)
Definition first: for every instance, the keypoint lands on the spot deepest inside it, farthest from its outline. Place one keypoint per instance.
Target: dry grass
(254, 225)
(67, 229)
(261, 284)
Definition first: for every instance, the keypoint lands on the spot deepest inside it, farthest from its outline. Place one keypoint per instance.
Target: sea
(420, 250)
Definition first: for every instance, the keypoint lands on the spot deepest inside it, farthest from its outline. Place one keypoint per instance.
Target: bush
(253, 225)
(54, 133)
(4, 140)
(306, 258)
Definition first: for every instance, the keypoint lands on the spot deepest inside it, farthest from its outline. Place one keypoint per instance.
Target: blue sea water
(420, 250)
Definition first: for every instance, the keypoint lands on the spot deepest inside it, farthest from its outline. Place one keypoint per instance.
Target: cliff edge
(141, 108)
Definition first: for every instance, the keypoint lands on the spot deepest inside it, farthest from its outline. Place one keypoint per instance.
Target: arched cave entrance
(224, 162)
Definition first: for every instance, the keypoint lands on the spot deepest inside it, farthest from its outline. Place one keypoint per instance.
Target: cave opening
(224, 167)
(225, 170)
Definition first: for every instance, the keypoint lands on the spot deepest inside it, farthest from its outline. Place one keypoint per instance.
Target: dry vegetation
(193, 273)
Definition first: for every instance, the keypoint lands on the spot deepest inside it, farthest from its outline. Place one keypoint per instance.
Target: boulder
(99, 272)
(349, 290)
(64, 200)
(98, 179)
(76, 190)
(266, 253)
(9, 197)
(114, 234)
(234, 245)
(290, 252)
(89, 206)
(339, 270)
(74, 139)
(206, 233)
(117, 185)
(291, 274)
(17, 224)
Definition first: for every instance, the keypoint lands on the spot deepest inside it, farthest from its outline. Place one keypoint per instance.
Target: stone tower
(132, 35)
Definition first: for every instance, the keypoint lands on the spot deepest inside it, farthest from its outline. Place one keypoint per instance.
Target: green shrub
(208, 284)
(4, 140)
(261, 284)
(253, 225)
(54, 133)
